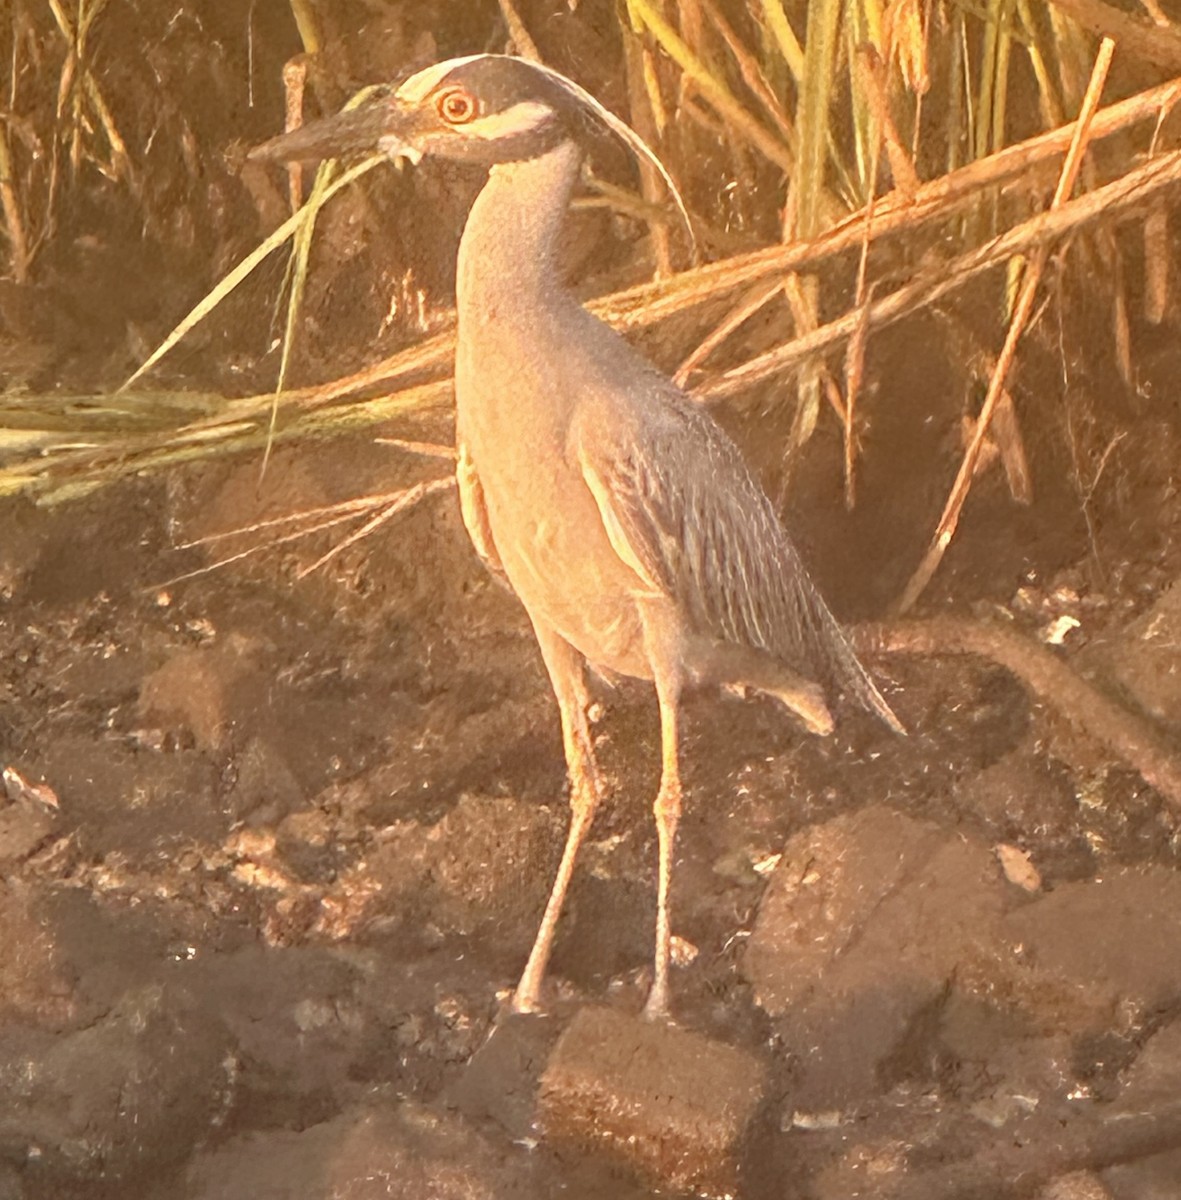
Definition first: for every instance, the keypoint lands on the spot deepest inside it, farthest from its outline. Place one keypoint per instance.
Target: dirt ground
(273, 847)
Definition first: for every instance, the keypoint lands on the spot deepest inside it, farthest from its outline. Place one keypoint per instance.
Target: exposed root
(1052, 681)
(1043, 1148)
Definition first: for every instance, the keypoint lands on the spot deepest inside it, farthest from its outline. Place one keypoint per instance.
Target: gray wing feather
(682, 509)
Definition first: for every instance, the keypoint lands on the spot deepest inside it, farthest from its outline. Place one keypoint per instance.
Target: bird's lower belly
(568, 577)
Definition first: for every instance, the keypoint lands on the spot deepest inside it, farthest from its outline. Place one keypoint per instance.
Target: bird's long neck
(507, 256)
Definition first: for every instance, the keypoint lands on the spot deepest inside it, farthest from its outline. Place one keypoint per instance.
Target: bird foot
(656, 1009)
(522, 1002)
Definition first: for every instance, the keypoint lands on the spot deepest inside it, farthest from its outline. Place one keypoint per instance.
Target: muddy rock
(1157, 1177)
(274, 999)
(866, 921)
(36, 983)
(1028, 799)
(485, 867)
(23, 828)
(1000, 1061)
(1078, 1185)
(1126, 965)
(264, 784)
(134, 803)
(120, 1099)
(1155, 1077)
(491, 860)
(392, 1152)
(501, 1081)
(673, 1105)
(190, 690)
(1145, 659)
(875, 1161)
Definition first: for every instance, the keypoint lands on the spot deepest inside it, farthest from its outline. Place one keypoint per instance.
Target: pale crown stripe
(524, 117)
(418, 87)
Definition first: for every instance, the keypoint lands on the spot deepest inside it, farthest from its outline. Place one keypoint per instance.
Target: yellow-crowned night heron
(623, 517)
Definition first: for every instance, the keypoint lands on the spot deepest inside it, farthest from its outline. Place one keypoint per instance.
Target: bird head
(485, 109)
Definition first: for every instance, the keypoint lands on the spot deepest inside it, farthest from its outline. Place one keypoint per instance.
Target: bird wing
(682, 509)
(475, 512)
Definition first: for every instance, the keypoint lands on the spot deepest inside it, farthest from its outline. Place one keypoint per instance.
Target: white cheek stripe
(418, 87)
(524, 117)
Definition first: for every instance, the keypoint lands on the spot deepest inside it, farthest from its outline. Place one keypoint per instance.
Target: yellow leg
(566, 674)
(668, 815)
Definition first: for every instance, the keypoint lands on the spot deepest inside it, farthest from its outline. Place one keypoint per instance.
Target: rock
(501, 1081)
(865, 923)
(1078, 1185)
(1025, 798)
(124, 1098)
(485, 867)
(873, 921)
(117, 800)
(1004, 1066)
(673, 1105)
(275, 1000)
(191, 690)
(36, 986)
(1094, 951)
(1157, 1177)
(399, 1153)
(1146, 658)
(1155, 1077)
(22, 830)
(264, 781)
(491, 861)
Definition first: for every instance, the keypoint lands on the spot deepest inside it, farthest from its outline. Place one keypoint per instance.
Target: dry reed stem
(389, 504)
(751, 72)
(875, 85)
(736, 317)
(238, 420)
(427, 449)
(1052, 681)
(295, 77)
(949, 520)
(649, 303)
(14, 224)
(235, 424)
(645, 111)
(342, 508)
(408, 499)
(1157, 286)
(1130, 190)
(307, 22)
(526, 46)
(719, 96)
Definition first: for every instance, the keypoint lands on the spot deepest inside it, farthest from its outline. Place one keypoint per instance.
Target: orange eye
(457, 106)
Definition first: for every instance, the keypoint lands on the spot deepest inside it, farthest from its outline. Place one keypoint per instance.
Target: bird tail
(835, 657)
(856, 681)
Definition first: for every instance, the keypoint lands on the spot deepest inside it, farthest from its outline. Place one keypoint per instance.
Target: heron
(622, 516)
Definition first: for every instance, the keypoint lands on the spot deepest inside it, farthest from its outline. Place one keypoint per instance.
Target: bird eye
(457, 106)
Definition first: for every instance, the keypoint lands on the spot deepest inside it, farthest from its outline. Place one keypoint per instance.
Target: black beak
(355, 131)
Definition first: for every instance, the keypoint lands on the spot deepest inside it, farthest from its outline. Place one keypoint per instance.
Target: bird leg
(566, 674)
(668, 814)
